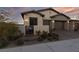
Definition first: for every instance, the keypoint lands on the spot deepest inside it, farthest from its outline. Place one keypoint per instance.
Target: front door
(32, 23)
(29, 29)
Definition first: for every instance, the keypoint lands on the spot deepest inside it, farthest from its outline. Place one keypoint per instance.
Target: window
(33, 21)
(46, 22)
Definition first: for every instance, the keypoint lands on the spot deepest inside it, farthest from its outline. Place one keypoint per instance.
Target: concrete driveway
(59, 46)
(66, 35)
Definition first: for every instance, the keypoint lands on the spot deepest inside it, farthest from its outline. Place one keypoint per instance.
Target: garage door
(59, 25)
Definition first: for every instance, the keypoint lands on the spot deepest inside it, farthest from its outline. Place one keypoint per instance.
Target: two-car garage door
(59, 25)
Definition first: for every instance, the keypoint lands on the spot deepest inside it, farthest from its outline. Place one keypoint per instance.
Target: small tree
(9, 31)
(4, 15)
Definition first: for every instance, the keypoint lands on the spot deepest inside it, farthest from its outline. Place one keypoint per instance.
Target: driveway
(66, 35)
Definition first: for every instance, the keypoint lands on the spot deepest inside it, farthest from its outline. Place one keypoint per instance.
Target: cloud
(15, 11)
(68, 10)
(64, 9)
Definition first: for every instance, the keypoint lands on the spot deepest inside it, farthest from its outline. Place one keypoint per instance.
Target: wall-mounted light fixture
(53, 21)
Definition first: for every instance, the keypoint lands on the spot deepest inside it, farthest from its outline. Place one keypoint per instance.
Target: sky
(72, 12)
(15, 12)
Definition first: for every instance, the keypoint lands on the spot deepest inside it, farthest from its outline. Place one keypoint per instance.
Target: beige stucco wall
(65, 26)
(72, 25)
(39, 26)
(48, 13)
(60, 17)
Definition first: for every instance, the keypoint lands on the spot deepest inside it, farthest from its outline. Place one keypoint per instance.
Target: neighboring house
(47, 20)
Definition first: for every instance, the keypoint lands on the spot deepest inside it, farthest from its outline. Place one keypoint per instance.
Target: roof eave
(49, 9)
(62, 15)
(31, 12)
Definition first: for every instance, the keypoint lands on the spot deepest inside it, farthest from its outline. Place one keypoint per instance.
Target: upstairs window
(33, 21)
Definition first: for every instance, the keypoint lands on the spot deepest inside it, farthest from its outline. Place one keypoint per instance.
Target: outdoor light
(53, 21)
(26, 20)
(67, 21)
(73, 25)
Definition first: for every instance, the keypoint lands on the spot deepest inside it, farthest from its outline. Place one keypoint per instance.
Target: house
(46, 20)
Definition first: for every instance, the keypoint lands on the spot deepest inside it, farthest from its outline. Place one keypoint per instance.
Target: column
(73, 26)
(53, 24)
(67, 25)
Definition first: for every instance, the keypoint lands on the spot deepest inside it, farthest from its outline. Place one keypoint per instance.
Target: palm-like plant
(4, 15)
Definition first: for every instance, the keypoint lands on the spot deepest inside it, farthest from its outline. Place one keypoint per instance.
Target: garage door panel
(59, 25)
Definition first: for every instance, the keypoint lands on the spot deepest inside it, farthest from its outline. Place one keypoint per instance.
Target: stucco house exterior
(47, 20)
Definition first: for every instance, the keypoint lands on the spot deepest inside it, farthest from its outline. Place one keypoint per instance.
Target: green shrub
(19, 42)
(75, 29)
(3, 43)
(53, 36)
(9, 30)
(38, 33)
(40, 39)
(50, 38)
(42, 36)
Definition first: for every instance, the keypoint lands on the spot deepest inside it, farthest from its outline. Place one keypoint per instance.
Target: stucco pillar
(53, 24)
(73, 26)
(67, 25)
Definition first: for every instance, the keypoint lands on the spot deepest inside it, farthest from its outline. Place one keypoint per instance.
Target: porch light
(53, 21)
(67, 21)
(73, 25)
(25, 20)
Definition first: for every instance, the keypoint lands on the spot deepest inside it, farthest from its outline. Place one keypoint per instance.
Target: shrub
(50, 38)
(75, 29)
(19, 42)
(43, 36)
(9, 30)
(53, 36)
(38, 33)
(40, 39)
(3, 43)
